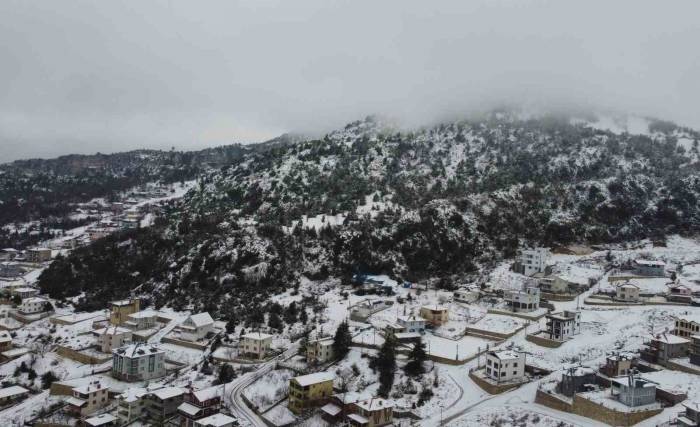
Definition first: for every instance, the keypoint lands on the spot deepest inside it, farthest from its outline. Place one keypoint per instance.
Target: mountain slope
(429, 204)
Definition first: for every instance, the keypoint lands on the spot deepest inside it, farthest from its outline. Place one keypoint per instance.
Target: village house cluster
(135, 363)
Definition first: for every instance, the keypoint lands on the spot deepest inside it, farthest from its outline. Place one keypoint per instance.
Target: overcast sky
(88, 76)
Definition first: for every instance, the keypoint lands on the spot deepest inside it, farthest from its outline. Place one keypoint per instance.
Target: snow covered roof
(689, 317)
(374, 404)
(168, 392)
(505, 354)
(201, 319)
(637, 383)
(111, 330)
(189, 408)
(650, 263)
(358, 418)
(628, 285)
(216, 420)
(14, 390)
(257, 336)
(16, 352)
(133, 394)
(579, 371)
(352, 396)
(435, 307)
(121, 302)
(412, 318)
(206, 394)
(25, 289)
(314, 378)
(87, 388)
(692, 405)
(100, 420)
(137, 350)
(143, 314)
(670, 339)
(5, 336)
(74, 401)
(33, 300)
(331, 409)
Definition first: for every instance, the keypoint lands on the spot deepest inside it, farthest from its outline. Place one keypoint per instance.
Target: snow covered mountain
(434, 203)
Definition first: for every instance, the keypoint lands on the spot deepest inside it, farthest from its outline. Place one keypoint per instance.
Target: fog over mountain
(81, 76)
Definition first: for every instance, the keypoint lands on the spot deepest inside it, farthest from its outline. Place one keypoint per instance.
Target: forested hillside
(435, 203)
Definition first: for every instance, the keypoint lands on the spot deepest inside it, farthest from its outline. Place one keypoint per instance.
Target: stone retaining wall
(670, 364)
(78, 356)
(595, 411)
(515, 314)
(589, 409)
(491, 388)
(496, 336)
(552, 401)
(558, 297)
(542, 341)
(182, 343)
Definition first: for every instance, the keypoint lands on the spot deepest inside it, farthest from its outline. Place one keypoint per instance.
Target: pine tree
(226, 374)
(342, 341)
(275, 322)
(230, 326)
(386, 363)
(416, 358)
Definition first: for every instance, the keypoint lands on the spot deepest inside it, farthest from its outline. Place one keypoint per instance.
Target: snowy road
(245, 415)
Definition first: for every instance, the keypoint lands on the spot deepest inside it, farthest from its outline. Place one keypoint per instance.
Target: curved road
(238, 407)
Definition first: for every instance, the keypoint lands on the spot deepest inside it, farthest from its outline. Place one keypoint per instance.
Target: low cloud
(86, 76)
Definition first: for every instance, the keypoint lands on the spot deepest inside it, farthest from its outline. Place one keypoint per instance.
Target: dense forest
(433, 204)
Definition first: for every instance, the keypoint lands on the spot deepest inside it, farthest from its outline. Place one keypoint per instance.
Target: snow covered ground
(269, 389)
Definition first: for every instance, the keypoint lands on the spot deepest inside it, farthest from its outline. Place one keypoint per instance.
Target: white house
(197, 326)
(24, 292)
(112, 337)
(563, 325)
(144, 319)
(412, 323)
(216, 420)
(33, 305)
(467, 296)
(319, 351)
(505, 365)
(130, 404)
(532, 261)
(138, 362)
(254, 345)
(627, 292)
(523, 300)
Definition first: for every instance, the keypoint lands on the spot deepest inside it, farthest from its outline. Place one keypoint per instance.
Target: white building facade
(505, 365)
